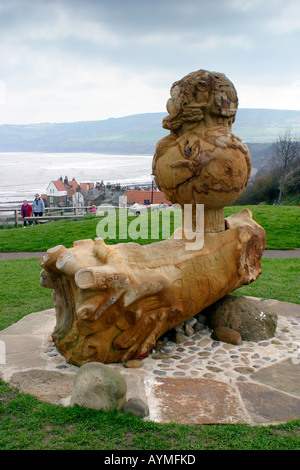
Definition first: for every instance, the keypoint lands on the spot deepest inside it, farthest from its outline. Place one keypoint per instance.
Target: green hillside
(125, 135)
(264, 125)
(139, 133)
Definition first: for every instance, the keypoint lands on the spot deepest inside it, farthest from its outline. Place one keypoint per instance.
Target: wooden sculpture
(114, 301)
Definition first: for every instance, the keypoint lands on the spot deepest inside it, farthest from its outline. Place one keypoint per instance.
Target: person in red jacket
(26, 211)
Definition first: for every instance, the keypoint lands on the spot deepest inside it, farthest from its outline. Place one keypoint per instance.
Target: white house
(56, 192)
(56, 189)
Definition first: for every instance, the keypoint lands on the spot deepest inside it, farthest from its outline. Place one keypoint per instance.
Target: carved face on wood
(198, 94)
(201, 161)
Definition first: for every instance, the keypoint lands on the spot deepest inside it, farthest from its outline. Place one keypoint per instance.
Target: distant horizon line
(134, 114)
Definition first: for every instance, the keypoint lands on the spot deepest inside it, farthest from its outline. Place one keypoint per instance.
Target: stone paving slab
(21, 353)
(266, 405)
(52, 386)
(194, 401)
(284, 376)
(200, 381)
(37, 323)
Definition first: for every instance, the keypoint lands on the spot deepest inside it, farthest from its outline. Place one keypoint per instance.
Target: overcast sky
(82, 60)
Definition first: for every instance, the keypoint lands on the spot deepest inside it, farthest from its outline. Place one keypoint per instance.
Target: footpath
(38, 254)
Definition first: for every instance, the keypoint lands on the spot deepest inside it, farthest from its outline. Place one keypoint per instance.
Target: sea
(23, 174)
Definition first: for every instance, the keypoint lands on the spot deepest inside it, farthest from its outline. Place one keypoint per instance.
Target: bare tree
(286, 149)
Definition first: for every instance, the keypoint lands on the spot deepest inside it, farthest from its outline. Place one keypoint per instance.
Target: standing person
(38, 206)
(26, 211)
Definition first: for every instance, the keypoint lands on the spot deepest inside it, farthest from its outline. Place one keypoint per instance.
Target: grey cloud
(61, 45)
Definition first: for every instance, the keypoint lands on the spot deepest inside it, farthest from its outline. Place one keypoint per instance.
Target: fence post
(16, 217)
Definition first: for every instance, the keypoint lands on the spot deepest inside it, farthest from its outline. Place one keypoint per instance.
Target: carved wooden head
(198, 95)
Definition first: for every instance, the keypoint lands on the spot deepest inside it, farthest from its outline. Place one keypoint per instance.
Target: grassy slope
(282, 225)
(20, 291)
(29, 424)
(276, 273)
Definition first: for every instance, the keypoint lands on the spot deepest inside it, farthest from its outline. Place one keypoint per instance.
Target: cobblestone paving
(202, 357)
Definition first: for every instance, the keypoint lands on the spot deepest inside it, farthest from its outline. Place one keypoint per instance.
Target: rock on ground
(137, 407)
(98, 387)
(226, 335)
(253, 319)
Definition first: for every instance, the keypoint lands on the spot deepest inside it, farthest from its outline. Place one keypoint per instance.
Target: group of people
(37, 209)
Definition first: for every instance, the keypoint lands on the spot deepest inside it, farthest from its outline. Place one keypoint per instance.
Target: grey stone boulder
(253, 319)
(99, 387)
(137, 407)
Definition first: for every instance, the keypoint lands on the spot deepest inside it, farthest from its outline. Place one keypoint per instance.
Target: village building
(86, 186)
(93, 193)
(145, 197)
(60, 192)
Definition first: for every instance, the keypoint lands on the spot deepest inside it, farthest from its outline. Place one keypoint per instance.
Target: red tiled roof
(59, 185)
(73, 183)
(87, 186)
(141, 197)
(70, 192)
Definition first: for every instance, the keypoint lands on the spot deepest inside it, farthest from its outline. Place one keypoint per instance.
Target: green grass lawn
(28, 424)
(282, 225)
(20, 291)
(280, 280)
